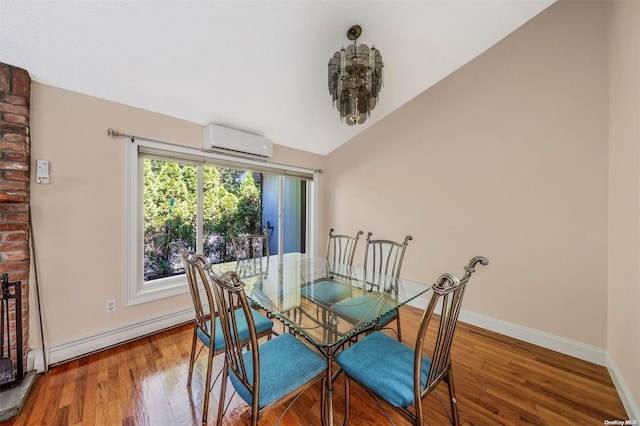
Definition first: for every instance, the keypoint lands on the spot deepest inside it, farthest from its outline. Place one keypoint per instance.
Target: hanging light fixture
(355, 79)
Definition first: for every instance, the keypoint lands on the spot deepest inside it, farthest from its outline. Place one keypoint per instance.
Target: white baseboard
(71, 349)
(539, 338)
(529, 335)
(630, 405)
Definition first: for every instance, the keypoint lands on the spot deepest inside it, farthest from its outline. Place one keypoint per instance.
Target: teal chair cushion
(326, 292)
(285, 365)
(364, 309)
(263, 324)
(385, 366)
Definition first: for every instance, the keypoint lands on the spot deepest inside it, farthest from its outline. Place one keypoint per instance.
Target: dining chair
(325, 292)
(197, 268)
(403, 376)
(264, 375)
(252, 254)
(382, 265)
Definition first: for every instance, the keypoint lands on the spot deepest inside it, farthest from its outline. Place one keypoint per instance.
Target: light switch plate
(42, 171)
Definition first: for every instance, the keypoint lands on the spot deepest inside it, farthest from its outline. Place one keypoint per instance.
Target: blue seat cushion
(385, 366)
(326, 292)
(263, 324)
(364, 309)
(285, 365)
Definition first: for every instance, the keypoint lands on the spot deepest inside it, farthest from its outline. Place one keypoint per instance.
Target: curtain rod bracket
(115, 134)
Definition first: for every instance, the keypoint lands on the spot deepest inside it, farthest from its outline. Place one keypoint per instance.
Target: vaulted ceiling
(257, 66)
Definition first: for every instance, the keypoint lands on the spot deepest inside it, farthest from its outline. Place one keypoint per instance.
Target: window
(200, 200)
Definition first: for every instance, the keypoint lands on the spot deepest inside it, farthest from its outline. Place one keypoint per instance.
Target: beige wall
(79, 219)
(505, 158)
(623, 341)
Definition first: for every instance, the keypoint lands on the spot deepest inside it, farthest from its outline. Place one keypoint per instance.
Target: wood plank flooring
(499, 381)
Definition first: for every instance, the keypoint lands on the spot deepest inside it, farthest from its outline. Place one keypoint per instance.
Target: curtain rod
(114, 134)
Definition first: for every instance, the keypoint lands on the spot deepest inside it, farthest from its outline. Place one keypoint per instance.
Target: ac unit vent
(235, 142)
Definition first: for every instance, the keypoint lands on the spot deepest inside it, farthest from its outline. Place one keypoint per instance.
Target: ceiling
(257, 66)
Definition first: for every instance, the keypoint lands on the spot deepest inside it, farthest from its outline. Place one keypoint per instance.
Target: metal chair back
(252, 254)
(384, 256)
(382, 265)
(195, 265)
(342, 248)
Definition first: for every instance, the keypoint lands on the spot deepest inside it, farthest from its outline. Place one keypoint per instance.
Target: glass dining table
(327, 304)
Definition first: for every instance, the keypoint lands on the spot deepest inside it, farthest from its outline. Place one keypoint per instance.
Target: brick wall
(15, 90)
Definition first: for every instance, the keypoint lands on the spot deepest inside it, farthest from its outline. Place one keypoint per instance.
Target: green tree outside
(231, 206)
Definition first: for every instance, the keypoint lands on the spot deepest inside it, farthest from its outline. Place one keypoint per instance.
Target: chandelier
(355, 79)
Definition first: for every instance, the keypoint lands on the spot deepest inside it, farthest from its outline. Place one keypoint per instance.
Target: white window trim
(136, 291)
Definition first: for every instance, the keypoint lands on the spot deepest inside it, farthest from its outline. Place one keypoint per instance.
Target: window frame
(138, 291)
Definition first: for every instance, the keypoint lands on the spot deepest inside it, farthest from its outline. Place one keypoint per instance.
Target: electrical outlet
(110, 305)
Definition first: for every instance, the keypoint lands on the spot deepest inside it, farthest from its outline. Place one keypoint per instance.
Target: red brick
(17, 156)
(23, 176)
(16, 118)
(4, 217)
(14, 207)
(5, 77)
(7, 185)
(13, 165)
(14, 109)
(13, 227)
(13, 266)
(14, 146)
(21, 84)
(11, 257)
(18, 138)
(13, 197)
(19, 276)
(16, 100)
(18, 246)
(16, 217)
(13, 128)
(16, 236)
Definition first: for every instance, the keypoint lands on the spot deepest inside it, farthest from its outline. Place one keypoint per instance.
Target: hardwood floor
(499, 381)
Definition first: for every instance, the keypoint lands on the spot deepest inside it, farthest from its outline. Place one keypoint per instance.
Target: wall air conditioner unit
(228, 141)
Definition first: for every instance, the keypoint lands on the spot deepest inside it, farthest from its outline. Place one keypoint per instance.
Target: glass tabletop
(324, 302)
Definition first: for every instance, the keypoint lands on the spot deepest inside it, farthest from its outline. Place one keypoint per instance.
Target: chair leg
(223, 392)
(418, 417)
(452, 397)
(192, 357)
(207, 390)
(255, 411)
(398, 325)
(323, 402)
(346, 400)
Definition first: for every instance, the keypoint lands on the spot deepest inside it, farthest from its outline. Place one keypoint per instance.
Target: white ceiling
(258, 66)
